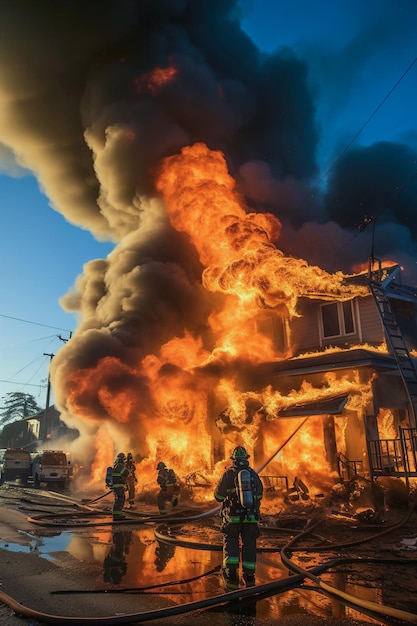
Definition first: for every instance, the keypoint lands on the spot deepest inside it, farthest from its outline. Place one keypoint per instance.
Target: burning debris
(298, 491)
(194, 160)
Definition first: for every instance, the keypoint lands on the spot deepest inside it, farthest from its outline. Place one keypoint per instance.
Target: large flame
(170, 399)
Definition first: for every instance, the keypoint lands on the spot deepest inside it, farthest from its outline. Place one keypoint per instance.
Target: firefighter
(239, 521)
(169, 488)
(120, 474)
(131, 479)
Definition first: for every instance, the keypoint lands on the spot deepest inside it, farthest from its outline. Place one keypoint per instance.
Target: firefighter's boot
(231, 578)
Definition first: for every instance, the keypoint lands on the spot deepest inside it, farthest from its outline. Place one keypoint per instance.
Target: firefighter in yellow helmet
(240, 491)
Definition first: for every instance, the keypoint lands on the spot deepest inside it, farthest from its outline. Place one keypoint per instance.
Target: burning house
(217, 318)
(352, 374)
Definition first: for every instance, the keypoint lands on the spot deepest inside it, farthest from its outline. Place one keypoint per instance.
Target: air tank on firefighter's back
(245, 491)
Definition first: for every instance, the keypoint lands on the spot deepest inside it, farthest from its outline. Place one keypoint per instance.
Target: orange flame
(167, 400)
(154, 80)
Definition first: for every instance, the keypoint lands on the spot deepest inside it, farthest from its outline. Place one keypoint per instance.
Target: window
(337, 319)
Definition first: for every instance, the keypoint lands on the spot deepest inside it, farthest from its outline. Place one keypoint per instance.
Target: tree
(17, 406)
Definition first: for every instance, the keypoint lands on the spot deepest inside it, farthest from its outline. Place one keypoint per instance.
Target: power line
(18, 319)
(26, 343)
(28, 383)
(371, 219)
(374, 112)
(10, 382)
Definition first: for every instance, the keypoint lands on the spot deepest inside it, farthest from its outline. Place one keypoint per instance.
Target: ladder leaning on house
(397, 457)
(396, 344)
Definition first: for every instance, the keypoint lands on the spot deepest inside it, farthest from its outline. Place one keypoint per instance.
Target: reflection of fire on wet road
(180, 562)
(134, 559)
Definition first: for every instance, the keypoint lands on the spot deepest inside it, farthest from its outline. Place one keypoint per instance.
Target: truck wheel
(36, 481)
(1, 479)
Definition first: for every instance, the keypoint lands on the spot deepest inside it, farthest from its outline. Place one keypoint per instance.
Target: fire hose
(366, 607)
(40, 519)
(257, 592)
(370, 608)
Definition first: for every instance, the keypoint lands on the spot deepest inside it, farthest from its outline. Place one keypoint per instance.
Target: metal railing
(396, 457)
(348, 469)
(275, 483)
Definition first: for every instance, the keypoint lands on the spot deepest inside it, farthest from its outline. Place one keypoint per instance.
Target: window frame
(341, 319)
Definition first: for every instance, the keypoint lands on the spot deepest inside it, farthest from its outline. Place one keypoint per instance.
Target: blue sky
(41, 255)
(355, 52)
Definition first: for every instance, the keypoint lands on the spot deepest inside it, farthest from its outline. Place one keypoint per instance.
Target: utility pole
(63, 338)
(48, 396)
(44, 425)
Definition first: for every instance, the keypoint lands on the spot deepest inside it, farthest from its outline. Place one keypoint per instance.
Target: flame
(154, 80)
(386, 424)
(100, 382)
(104, 454)
(169, 400)
(359, 268)
(237, 248)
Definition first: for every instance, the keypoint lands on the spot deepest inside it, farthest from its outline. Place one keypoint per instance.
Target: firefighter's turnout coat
(120, 474)
(238, 521)
(169, 488)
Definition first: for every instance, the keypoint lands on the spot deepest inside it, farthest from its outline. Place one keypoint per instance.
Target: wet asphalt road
(31, 574)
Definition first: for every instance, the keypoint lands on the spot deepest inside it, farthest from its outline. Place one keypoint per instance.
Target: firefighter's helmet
(161, 465)
(239, 454)
(129, 455)
(121, 457)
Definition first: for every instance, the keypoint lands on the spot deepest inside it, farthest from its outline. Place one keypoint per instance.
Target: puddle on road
(135, 558)
(42, 546)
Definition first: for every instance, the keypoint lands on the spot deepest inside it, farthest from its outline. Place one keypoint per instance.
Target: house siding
(304, 330)
(371, 325)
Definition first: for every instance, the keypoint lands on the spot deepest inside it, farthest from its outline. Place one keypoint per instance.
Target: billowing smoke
(94, 96)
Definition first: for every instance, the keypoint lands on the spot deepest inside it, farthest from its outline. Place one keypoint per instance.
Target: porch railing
(396, 457)
(275, 483)
(348, 469)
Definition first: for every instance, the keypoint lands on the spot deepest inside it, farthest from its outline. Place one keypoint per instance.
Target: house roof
(390, 281)
(331, 361)
(52, 413)
(388, 277)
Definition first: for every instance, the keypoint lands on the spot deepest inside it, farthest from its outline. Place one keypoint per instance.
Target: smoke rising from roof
(82, 107)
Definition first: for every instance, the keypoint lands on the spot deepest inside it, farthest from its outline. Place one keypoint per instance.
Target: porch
(394, 457)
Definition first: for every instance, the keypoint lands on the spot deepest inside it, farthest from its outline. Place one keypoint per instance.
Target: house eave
(332, 361)
(328, 406)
